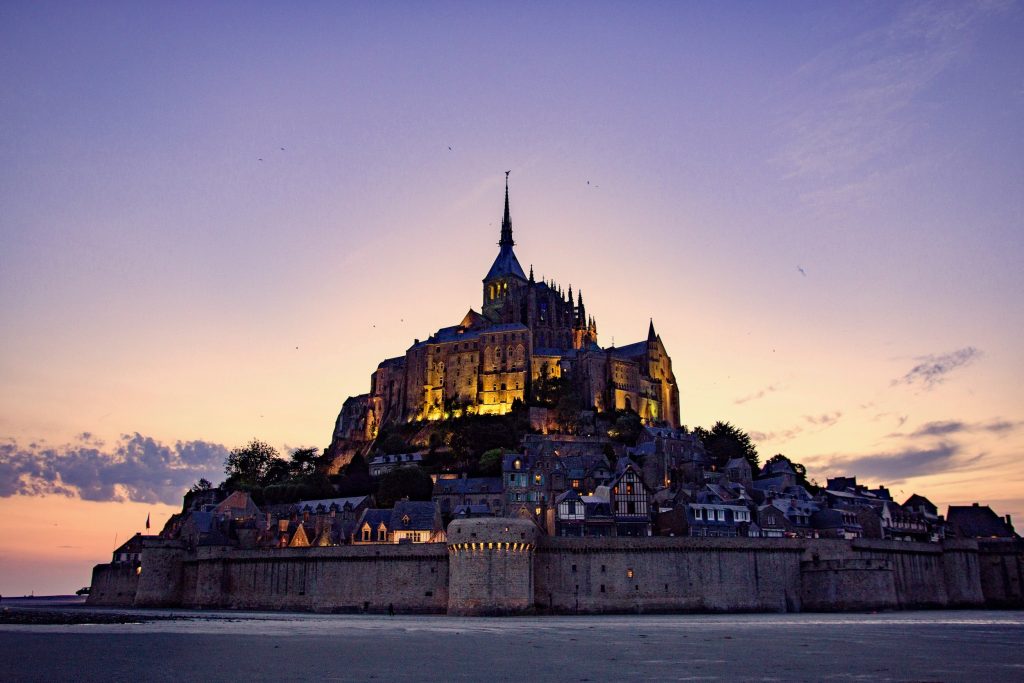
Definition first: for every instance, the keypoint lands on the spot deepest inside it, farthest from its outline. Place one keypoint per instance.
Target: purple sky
(156, 276)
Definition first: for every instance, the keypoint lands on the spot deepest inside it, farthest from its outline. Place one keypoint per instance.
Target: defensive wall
(503, 566)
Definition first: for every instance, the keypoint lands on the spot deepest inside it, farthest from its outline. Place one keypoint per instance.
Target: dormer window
(405, 520)
(366, 532)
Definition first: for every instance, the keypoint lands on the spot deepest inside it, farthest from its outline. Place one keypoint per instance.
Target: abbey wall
(502, 566)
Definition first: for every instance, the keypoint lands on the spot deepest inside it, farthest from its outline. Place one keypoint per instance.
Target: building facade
(525, 330)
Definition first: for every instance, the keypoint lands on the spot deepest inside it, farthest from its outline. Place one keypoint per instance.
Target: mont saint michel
(509, 464)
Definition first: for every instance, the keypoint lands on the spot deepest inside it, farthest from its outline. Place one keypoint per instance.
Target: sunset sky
(216, 219)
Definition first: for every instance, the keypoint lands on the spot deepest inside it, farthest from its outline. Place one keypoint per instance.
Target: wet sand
(182, 645)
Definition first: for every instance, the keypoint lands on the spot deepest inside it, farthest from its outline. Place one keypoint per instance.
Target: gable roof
(421, 515)
(978, 521)
(375, 517)
(629, 350)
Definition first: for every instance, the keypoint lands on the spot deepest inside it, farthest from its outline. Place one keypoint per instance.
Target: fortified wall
(502, 566)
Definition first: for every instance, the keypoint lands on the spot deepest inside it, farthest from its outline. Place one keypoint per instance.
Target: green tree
(253, 465)
(305, 461)
(723, 442)
(405, 482)
(627, 428)
(490, 462)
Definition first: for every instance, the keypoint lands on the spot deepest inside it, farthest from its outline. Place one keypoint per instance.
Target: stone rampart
(594, 575)
(113, 585)
(504, 566)
(1001, 566)
(408, 578)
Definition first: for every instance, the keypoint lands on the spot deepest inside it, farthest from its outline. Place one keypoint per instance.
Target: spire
(531, 272)
(570, 295)
(506, 222)
(582, 309)
(651, 336)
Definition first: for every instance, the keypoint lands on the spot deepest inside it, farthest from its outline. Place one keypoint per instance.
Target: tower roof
(506, 263)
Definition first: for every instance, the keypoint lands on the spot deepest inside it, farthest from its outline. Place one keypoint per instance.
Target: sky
(217, 219)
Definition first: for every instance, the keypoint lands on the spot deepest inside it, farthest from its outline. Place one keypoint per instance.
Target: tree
(201, 485)
(723, 442)
(404, 482)
(490, 462)
(253, 465)
(627, 428)
(305, 461)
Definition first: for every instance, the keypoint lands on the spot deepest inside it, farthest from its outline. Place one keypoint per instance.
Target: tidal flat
(176, 645)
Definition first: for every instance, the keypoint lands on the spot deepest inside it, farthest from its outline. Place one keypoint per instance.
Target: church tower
(506, 277)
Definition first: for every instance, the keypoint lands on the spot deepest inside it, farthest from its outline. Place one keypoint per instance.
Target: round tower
(490, 566)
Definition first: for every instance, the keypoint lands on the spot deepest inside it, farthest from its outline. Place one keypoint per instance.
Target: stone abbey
(525, 331)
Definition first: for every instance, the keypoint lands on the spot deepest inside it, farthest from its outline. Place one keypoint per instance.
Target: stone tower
(490, 566)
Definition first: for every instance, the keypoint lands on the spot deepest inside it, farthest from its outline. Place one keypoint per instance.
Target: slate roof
(374, 517)
(827, 519)
(630, 350)
(422, 515)
(916, 501)
(978, 521)
(470, 485)
(506, 263)
(339, 503)
(475, 510)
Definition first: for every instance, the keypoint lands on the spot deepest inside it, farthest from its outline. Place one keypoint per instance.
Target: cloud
(824, 420)
(135, 468)
(853, 108)
(932, 370)
(780, 436)
(760, 394)
(950, 427)
(902, 464)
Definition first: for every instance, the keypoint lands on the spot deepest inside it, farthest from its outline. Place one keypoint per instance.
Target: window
(366, 533)
(629, 573)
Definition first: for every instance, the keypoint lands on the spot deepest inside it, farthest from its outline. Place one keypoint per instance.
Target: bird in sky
(802, 271)
(260, 159)
(449, 148)
(282, 149)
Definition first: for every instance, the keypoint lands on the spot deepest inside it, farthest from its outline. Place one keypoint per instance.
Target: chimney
(974, 505)
(1010, 524)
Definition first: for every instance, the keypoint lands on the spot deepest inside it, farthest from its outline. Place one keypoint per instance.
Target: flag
(147, 520)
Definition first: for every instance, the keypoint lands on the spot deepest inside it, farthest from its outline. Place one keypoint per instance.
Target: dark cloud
(903, 464)
(931, 370)
(950, 427)
(136, 468)
(940, 428)
(759, 394)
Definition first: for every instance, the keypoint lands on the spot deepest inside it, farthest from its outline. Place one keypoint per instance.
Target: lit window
(629, 573)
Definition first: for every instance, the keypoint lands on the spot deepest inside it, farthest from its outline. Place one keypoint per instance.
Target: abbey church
(525, 330)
